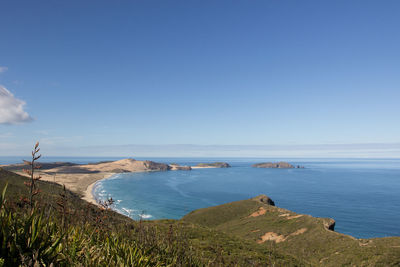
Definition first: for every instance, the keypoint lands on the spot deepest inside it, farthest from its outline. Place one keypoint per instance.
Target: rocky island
(213, 165)
(276, 165)
(177, 167)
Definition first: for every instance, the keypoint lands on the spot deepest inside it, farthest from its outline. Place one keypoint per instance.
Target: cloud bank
(11, 108)
(3, 69)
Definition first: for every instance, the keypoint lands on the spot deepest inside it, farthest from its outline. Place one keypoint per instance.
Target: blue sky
(84, 75)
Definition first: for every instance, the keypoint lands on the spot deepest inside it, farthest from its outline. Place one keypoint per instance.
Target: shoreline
(79, 183)
(81, 178)
(88, 194)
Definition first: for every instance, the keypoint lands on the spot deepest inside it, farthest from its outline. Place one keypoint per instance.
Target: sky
(172, 78)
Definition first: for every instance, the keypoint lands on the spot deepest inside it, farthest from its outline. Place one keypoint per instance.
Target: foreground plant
(32, 239)
(33, 190)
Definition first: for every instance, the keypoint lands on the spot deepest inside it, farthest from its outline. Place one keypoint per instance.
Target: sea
(361, 195)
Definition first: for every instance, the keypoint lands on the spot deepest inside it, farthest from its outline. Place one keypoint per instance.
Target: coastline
(79, 183)
(81, 178)
(88, 194)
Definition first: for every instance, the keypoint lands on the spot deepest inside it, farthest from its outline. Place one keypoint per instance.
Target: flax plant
(33, 190)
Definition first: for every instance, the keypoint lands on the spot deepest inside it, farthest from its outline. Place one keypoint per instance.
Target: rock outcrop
(155, 166)
(329, 224)
(276, 165)
(177, 167)
(264, 199)
(213, 165)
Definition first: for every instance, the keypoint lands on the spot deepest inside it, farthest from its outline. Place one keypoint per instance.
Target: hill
(307, 238)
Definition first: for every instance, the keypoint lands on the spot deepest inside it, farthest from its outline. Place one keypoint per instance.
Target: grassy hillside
(69, 231)
(302, 236)
(82, 234)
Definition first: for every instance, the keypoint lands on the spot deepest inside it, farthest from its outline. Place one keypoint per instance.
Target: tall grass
(30, 239)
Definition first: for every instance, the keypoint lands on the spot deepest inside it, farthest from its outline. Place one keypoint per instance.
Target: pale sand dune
(81, 178)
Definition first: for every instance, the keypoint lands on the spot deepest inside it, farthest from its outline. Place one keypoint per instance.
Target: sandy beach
(80, 183)
(88, 194)
(82, 178)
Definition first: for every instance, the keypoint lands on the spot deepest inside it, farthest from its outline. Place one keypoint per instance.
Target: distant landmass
(276, 165)
(213, 165)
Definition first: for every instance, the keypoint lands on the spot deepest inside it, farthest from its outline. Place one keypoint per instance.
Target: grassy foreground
(64, 230)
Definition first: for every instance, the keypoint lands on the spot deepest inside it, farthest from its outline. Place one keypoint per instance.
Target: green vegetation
(305, 237)
(65, 230)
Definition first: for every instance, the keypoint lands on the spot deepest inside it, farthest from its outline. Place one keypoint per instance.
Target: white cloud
(3, 69)
(11, 108)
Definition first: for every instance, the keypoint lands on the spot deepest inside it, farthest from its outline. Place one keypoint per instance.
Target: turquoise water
(363, 196)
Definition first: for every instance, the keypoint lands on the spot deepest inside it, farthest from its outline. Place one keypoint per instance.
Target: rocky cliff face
(264, 199)
(155, 166)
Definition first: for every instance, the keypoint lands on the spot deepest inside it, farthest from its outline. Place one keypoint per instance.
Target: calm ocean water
(362, 195)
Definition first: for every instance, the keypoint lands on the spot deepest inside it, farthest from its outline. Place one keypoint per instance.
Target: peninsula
(80, 178)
